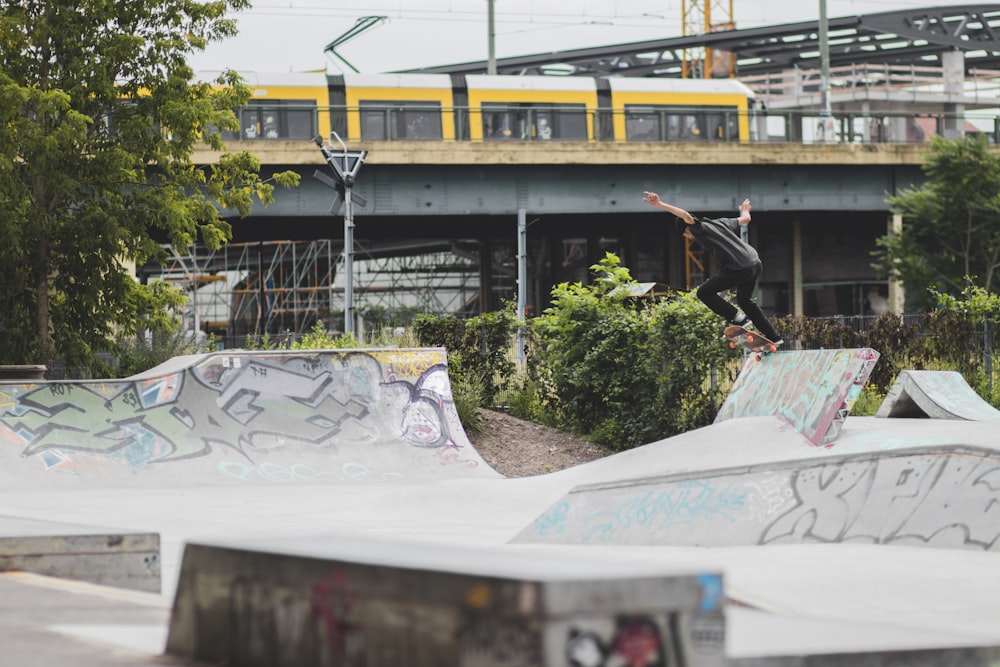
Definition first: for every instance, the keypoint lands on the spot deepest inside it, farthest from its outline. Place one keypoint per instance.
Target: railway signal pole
(346, 166)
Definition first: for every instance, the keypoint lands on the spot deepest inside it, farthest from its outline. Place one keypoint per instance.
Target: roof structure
(915, 37)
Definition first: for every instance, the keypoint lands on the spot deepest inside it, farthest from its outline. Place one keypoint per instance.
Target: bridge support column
(897, 295)
(485, 276)
(798, 307)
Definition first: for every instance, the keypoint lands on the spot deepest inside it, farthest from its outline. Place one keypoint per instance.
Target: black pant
(744, 281)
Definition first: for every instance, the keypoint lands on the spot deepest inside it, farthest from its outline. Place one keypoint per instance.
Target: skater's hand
(745, 212)
(651, 198)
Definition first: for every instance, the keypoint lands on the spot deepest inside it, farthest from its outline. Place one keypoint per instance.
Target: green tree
(951, 223)
(99, 118)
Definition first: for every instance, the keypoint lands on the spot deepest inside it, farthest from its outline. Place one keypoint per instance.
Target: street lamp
(346, 166)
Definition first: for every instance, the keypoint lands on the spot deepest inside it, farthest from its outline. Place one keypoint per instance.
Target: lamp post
(346, 166)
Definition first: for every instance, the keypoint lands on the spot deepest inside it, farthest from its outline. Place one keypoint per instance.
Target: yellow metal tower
(700, 17)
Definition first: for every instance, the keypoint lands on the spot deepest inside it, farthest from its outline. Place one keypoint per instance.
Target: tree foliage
(99, 117)
(951, 223)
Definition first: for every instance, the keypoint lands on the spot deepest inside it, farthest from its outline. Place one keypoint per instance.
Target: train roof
(639, 85)
(397, 80)
(518, 82)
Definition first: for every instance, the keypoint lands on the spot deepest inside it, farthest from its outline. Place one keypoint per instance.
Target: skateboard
(749, 340)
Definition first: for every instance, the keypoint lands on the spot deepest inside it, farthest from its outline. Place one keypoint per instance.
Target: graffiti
(812, 390)
(768, 496)
(553, 521)
(934, 500)
(945, 498)
(627, 640)
(494, 640)
(248, 404)
(408, 363)
(712, 593)
(585, 649)
(335, 605)
(691, 501)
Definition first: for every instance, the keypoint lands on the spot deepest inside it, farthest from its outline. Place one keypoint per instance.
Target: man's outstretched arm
(653, 199)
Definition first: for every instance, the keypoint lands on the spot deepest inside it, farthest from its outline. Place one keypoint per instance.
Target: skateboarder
(738, 262)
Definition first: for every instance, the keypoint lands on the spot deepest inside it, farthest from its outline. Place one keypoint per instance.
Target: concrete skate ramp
(913, 482)
(939, 498)
(935, 394)
(289, 417)
(813, 390)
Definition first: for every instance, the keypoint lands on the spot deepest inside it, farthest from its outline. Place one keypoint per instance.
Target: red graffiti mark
(333, 603)
(451, 455)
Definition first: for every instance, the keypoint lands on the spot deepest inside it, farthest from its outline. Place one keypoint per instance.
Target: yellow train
(443, 107)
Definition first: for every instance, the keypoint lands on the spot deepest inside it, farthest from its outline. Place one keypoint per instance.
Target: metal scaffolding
(279, 287)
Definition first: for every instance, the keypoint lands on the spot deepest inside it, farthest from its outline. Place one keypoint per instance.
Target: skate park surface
(835, 535)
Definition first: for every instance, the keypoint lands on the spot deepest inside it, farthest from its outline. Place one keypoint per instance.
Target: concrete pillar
(485, 276)
(798, 305)
(953, 71)
(896, 292)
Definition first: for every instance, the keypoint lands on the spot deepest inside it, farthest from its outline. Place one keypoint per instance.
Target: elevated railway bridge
(439, 228)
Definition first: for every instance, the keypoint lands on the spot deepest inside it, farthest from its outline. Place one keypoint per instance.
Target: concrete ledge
(23, 372)
(102, 556)
(396, 603)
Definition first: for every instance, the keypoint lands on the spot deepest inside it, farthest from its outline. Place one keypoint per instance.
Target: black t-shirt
(721, 237)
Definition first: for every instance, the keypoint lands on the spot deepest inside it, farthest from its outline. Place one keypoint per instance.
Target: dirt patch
(518, 448)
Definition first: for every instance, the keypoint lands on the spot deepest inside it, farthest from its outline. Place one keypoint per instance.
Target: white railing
(802, 87)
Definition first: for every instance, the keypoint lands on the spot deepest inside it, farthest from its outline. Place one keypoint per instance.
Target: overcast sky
(290, 35)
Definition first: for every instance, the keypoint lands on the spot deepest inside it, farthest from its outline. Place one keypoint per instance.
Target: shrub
(478, 347)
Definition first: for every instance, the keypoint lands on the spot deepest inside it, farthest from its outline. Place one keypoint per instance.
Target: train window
(643, 124)
(276, 119)
(534, 122)
(665, 123)
(400, 120)
(687, 127)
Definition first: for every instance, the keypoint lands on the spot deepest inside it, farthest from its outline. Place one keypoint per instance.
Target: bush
(468, 393)
(689, 341)
(625, 372)
(144, 351)
(478, 347)
(868, 401)
(526, 401)
(590, 359)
